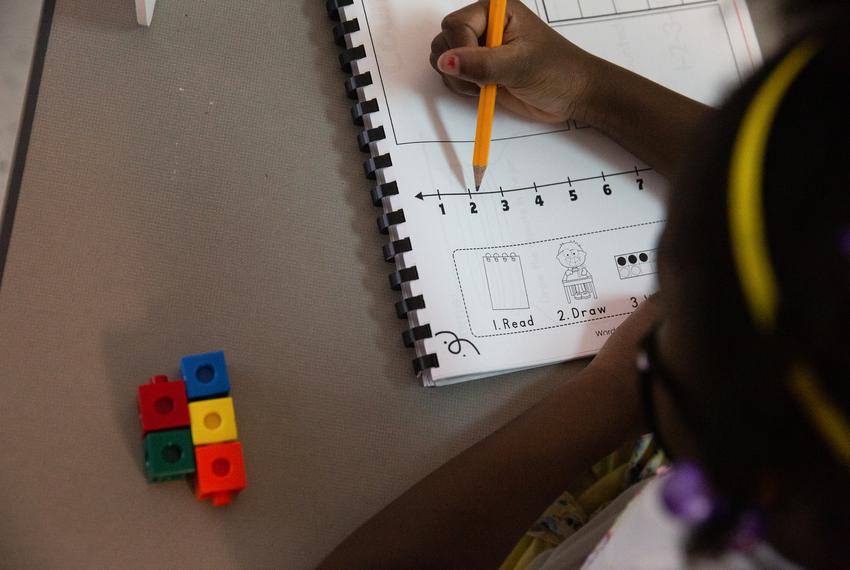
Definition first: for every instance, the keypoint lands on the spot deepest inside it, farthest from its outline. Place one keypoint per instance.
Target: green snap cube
(169, 454)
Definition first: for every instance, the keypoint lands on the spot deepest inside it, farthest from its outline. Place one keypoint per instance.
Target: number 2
(473, 209)
(561, 316)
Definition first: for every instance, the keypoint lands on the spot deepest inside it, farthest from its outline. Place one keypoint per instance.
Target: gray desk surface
(18, 26)
(189, 187)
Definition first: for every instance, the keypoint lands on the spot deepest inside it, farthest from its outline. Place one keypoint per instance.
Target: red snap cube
(220, 472)
(163, 404)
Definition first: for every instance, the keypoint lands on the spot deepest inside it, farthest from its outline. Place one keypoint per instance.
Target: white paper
(573, 218)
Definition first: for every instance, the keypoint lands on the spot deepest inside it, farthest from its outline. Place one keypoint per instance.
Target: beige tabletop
(190, 187)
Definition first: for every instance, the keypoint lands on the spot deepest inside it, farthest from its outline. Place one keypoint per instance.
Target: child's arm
(545, 77)
(471, 511)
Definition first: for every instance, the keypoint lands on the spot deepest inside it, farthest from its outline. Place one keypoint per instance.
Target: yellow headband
(750, 248)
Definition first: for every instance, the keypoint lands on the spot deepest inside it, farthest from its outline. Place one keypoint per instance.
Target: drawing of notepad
(505, 281)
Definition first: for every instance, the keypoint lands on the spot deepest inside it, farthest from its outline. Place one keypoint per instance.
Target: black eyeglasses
(651, 369)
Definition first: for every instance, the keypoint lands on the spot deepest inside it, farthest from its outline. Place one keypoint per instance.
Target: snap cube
(220, 472)
(169, 455)
(212, 421)
(205, 375)
(163, 404)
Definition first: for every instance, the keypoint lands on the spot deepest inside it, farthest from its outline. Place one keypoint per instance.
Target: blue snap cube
(205, 375)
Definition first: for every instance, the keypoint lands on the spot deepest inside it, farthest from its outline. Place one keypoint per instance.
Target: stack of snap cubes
(189, 428)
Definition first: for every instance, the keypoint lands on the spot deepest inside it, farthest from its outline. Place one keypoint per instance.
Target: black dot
(643, 257)
(621, 260)
(632, 259)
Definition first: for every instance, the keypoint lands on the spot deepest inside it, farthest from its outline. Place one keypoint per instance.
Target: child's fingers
(453, 83)
(439, 45)
(465, 26)
(460, 86)
(483, 66)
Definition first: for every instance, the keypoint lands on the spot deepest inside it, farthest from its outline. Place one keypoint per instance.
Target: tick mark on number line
(569, 181)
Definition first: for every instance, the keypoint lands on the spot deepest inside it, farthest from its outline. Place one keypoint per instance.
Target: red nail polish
(451, 62)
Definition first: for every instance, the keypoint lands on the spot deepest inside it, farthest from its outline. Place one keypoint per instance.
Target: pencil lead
(479, 175)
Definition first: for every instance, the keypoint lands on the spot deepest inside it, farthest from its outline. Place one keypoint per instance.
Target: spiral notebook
(558, 246)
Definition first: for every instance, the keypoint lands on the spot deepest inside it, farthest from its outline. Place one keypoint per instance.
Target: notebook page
(559, 245)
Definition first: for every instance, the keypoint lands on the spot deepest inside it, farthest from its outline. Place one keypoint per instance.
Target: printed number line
(534, 186)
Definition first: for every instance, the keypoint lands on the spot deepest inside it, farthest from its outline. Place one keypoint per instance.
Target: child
(742, 358)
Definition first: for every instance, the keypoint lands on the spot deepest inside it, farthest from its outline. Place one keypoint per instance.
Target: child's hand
(544, 77)
(618, 358)
(540, 74)
(619, 353)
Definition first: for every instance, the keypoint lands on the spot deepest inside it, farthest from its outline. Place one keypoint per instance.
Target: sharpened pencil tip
(479, 175)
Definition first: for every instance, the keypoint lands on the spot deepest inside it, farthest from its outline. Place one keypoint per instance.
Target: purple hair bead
(686, 494)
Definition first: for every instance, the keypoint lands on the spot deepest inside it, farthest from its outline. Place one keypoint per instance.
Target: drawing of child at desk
(577, 281)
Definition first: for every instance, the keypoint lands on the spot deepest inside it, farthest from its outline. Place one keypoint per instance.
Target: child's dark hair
(749, 425)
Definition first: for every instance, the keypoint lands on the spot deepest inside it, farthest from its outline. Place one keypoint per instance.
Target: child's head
(755, 436)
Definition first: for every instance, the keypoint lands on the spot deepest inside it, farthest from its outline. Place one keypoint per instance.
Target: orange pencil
(487, 98)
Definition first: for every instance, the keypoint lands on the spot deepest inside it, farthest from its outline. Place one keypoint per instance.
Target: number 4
(538, 200)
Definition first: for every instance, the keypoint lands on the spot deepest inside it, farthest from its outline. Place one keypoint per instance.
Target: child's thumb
(481, 65)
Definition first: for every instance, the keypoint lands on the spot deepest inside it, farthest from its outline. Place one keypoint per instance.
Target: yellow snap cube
(212, 421)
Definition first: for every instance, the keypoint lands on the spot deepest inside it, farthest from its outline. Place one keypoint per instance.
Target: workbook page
(558, 246)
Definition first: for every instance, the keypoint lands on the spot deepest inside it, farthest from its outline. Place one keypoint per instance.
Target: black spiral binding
(389, 219)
